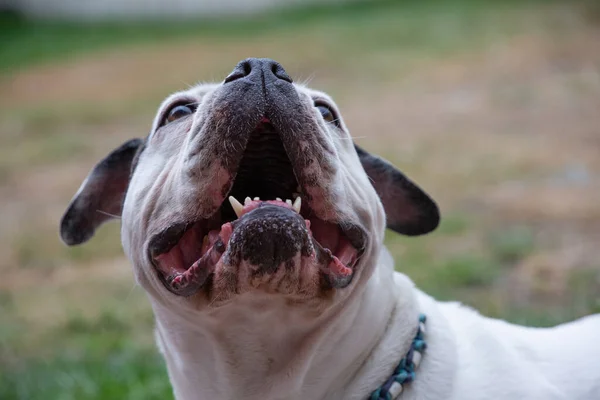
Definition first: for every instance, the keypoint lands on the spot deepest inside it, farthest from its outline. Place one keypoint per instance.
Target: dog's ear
(409, 210)
(100, 196)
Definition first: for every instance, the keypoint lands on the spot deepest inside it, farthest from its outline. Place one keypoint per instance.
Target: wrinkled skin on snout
(257, 134)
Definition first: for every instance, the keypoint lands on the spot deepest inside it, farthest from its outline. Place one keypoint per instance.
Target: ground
(492, 107)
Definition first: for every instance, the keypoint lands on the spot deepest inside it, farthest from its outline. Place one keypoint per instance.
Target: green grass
(453, 225)
(379, 24)
(109, 356)
(42, 249)
(466, 271)
(115, 374)
(451, 265)
(511, 245)
(41, 149)
(446, 276)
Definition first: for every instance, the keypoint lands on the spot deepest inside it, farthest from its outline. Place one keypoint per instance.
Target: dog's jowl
(256, 227)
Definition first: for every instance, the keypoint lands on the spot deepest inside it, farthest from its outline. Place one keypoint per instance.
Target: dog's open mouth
(265, 221)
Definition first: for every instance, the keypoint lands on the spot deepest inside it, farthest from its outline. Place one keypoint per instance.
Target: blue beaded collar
(405, 371)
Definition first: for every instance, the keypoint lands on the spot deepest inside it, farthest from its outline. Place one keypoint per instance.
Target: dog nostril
(279, 72)
(247, 68)
(241, 70)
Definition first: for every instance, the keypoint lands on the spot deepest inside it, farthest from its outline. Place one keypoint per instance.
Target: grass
(390, 35)
(35, 42)
(453, 224)
(72, 324)
(511, 245)
(119, 373)
(382, 24)
(39, 249)
(103, 358)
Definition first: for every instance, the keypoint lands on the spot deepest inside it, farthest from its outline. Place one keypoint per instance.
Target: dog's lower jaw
(275, 354)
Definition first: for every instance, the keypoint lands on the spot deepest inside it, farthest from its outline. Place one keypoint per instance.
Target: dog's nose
(256, 69)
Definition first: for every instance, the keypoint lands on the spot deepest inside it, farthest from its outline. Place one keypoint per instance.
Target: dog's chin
(273, 245)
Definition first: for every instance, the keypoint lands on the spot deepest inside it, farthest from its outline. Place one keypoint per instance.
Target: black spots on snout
(268, 237)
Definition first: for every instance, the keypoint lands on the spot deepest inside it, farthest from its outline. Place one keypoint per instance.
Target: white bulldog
(256, 227)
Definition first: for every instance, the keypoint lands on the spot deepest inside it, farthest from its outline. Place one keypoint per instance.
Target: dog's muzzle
(266, 218)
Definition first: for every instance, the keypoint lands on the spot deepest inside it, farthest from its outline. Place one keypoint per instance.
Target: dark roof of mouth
(265, 170)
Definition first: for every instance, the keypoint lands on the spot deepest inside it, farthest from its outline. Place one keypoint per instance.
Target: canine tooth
(256, 198)
(297, 204)
(247, 201)
(278, 198)
(289, 202)
(237, 206)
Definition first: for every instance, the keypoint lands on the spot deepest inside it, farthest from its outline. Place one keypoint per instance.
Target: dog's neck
(259, 350)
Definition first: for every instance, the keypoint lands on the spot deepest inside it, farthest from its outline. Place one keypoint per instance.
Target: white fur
(261, 346)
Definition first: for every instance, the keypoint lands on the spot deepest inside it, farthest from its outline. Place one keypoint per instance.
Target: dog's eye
(178, 112)
(326, 113)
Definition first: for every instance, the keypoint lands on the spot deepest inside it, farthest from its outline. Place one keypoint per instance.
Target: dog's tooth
(297, 204)
(278, 198)
(247, 201)
(256, 198)
(205, 244)
(237, 206)
(288, 201)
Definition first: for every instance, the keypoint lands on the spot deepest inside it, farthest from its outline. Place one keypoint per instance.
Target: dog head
(253, 184)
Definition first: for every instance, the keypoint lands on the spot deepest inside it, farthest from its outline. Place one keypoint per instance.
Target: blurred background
(492, 106)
